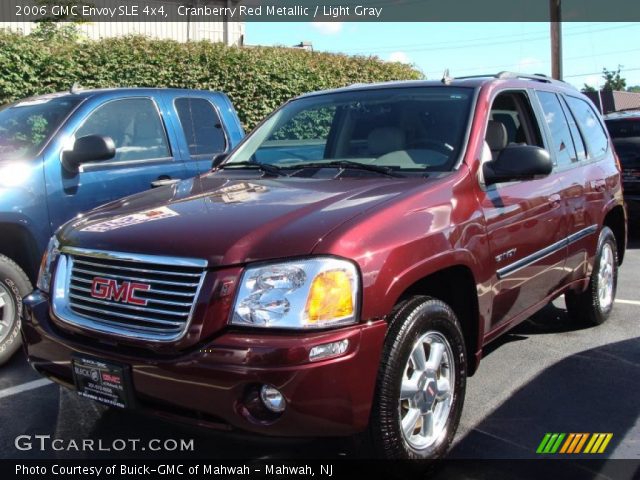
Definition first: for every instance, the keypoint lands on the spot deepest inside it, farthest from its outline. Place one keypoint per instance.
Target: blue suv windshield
(399, 129)
(25, 127)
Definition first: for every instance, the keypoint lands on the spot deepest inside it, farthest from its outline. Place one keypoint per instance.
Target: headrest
(386, 139)
(496, 135)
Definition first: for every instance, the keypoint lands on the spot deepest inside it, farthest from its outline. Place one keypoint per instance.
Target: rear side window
(565, 152)
(201, 125)
(591, 128)
(135, 126)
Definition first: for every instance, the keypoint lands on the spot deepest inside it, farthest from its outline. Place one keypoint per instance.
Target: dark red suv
(341, 271)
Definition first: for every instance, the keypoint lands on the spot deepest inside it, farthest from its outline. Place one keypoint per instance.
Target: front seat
(383, 140)
(496, 137)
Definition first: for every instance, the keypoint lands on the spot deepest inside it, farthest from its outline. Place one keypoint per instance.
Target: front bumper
(208, 385)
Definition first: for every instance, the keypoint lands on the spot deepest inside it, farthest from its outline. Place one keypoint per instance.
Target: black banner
(322, 470)
(317, 11)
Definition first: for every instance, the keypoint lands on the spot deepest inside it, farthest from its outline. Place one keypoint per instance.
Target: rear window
(628, 150)
(623, 128)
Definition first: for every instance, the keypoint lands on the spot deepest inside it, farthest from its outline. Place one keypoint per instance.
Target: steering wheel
(440, 147)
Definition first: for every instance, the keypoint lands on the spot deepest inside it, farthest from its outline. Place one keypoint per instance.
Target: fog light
(272, 399)
(328, 350)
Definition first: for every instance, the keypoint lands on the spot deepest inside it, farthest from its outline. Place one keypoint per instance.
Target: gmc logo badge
(108, 289)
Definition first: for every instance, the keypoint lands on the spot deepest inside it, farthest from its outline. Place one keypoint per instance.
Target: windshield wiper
(263, 167)
(344, 164)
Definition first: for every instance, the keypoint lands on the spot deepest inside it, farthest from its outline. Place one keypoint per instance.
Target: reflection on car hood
(229, 220)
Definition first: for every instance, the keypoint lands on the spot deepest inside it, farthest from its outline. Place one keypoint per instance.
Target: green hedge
(257, 79)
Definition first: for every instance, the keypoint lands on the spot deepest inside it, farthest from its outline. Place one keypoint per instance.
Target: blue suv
(65, 153)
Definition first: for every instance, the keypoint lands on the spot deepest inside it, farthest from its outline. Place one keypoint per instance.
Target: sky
(471, 48)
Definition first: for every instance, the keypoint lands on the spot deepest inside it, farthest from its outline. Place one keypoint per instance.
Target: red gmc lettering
(109, 289)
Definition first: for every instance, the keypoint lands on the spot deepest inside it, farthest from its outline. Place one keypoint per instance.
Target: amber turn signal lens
(330, 297)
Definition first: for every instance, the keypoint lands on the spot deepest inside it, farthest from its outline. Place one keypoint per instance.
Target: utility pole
(556, 38)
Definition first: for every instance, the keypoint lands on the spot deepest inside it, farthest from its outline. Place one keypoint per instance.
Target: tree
(63, 27)
(634, 89)
(613, 80)
(588, 88)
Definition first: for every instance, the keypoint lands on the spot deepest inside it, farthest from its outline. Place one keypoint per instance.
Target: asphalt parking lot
(544, 376)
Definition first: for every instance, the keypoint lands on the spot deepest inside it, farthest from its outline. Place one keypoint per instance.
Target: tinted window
(623, 128)
(401, 128)
(202, 126)
(563, 148)
(590, 126)
(26, 126)
(304, 136)
(578, 141)
(628, 150)
(135, 126)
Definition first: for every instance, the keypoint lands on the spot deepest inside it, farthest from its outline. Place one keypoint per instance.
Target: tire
(14, 286)
(593, 306)
(417, 325)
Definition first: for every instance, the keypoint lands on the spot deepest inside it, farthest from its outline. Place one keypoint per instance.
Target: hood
(226, 219)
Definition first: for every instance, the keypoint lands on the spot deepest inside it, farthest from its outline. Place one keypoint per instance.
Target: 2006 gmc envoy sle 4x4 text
(341, 270)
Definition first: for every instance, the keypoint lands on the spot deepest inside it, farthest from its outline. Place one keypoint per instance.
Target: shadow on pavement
(590, 392)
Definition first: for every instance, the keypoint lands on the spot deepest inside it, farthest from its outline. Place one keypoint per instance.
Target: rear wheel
(594, 305)
(421, 382)
(14, 285)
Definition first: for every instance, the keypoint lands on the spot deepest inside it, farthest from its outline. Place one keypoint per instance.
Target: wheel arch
(616, 220)
(18, 244)
(457, 287)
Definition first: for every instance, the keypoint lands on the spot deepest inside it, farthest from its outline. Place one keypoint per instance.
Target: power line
(633, 69)
(491, 67)
(473, 43)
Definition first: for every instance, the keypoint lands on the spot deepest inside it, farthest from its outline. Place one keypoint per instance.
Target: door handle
(163, 182)
(555, 200)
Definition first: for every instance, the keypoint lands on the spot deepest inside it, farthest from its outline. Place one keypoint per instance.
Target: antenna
(446, 79)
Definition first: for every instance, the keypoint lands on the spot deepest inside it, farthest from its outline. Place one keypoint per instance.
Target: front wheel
(421, 382)
(14, 285)
(594, 305)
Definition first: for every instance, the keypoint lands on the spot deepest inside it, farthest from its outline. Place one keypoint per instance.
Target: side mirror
(218, 159)
(92, 148)
(517, 163)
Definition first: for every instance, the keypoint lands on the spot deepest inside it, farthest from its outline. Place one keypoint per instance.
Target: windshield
(26, 126)
(404, 129)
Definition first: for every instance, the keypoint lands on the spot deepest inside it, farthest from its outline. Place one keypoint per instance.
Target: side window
(594, 135)
(578, 141)
(564, 150)
(511, 121)
(201, 125)
(135, 126)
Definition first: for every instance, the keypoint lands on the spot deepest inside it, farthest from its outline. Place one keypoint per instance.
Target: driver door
(525, 220)
(143, 155)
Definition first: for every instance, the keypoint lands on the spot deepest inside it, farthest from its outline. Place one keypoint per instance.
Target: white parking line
(25, 387)
(628, 302)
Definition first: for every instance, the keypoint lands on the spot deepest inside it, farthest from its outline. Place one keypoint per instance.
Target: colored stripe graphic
(555, 443)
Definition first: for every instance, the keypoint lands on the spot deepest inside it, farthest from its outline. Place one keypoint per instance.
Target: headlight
(314, 293)
(50, 255)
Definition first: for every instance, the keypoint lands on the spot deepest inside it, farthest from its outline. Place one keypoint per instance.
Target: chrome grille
(140, 296)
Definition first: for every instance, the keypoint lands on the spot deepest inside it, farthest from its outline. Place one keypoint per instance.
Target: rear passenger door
(595, 170)
(203, 130)
(525, 220)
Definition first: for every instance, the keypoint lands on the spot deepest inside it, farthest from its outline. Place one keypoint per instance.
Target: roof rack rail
(539, 77)
(513, 75)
